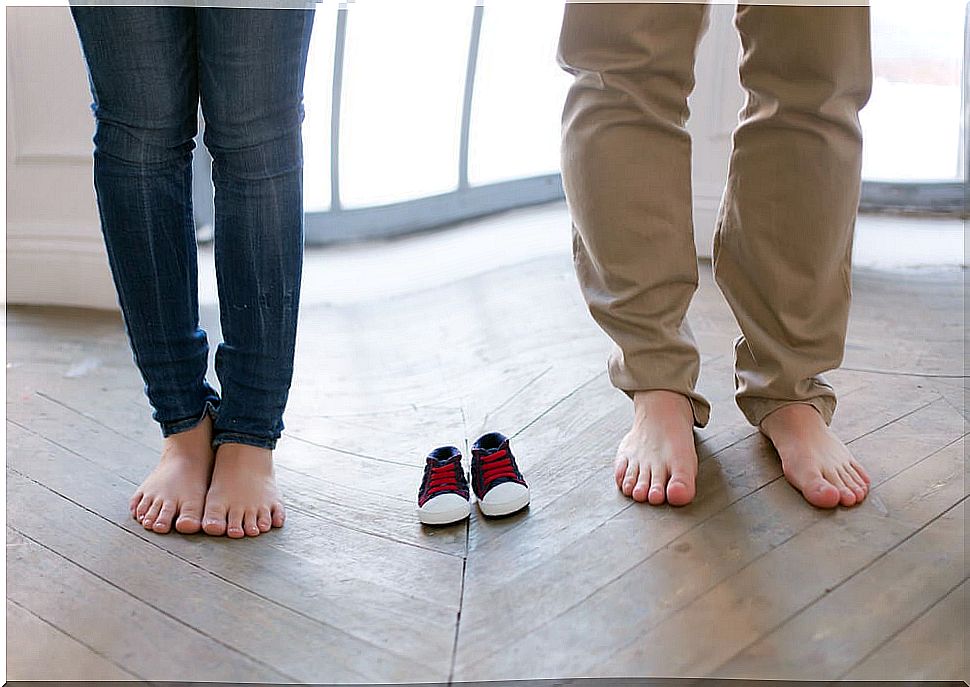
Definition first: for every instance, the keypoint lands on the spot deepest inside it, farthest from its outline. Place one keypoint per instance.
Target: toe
(846, 497)
(619, 470)
(234, 526)
(819, 492)
(249, 523)
(264, 519)
(163, 523)
(190, 518)
(134, 501)
(642, 486)
(861, 472)
(860, 481)
(278, 515)
(658, 486)
(853, 482)
(680, 488)
(214, 521)
(630, 478)
(149, 520)
(143, 505)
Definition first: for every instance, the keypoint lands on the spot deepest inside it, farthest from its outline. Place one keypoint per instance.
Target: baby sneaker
(498, 484)
(443, 496)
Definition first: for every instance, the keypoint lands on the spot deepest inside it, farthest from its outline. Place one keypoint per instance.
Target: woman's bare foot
(243, 498)
(176, 487)
(813, 459)
(657, 461)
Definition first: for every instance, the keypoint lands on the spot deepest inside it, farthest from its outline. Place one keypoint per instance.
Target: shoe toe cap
(444, 502)
(444, 508)
(504, 498)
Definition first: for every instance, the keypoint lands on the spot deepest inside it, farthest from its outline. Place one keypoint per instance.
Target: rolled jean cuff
(177, 426)
(247, 439)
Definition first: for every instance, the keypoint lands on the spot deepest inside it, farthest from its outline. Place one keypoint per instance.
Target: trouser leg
(142, 68)
(252, 65)
(626, 171)
(783, 244)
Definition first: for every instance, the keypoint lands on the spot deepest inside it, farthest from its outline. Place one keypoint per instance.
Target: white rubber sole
(434, 514)
(496, 509)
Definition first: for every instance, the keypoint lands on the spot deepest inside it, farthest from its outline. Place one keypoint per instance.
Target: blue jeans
(148, 68)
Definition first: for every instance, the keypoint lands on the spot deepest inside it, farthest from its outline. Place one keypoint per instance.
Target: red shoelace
(497, 465)
(443, 478)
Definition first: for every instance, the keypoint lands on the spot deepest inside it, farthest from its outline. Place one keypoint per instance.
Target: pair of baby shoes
(499, 486)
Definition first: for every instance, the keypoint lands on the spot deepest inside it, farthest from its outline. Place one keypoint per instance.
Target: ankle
(189, 443)
(794, 420)
(652, 405)
(244, 453)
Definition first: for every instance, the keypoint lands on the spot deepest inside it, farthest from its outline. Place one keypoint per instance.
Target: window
(913, 120)
(450, 109)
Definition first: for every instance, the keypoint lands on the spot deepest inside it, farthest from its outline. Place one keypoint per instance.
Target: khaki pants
(783, 241)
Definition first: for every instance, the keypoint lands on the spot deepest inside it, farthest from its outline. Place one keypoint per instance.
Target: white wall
(55, 254)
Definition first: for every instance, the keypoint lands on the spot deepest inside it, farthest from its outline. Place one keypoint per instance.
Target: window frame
(339, 225)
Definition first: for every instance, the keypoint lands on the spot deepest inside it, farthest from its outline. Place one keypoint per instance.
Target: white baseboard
(50, 267)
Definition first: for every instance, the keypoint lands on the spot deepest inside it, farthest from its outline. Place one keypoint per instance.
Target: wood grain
(748, 581)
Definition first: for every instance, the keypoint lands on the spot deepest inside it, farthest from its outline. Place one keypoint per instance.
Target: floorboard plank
(308, 650)
(933, 647)
(71, 599)
(583, 583)
(36, 650)
(791, 576)
(366, 586)
(849, 622)
(336, 500)
(725, 532)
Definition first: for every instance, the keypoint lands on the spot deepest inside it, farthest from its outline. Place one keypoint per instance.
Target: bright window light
(912, 121)
(317, 89)
(519, 92)
(403, 82)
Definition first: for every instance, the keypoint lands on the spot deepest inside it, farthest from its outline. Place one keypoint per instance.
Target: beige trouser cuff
(650, 378)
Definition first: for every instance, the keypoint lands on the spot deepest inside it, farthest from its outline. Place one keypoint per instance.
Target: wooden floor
(747, 581)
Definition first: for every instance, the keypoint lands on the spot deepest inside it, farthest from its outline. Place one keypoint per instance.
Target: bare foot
(657, 461)
(176, 487)
(243, 498)
(813, 459)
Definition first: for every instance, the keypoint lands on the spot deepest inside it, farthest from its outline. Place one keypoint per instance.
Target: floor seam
(461, 600)
(67, 634)
(148, 604)
(898, 632)
(464, 563)
(203, 569)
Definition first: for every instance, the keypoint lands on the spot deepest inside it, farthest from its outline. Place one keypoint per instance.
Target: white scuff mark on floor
(83, 367)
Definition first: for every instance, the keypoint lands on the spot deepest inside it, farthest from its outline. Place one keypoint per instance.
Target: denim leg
(142, 68)
(252, 65)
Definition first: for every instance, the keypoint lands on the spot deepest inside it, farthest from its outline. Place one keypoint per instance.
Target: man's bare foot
(243, 498)
(813, 459)
(176, 487)
(657, 461)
